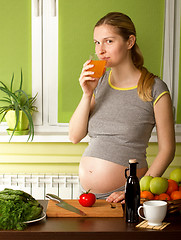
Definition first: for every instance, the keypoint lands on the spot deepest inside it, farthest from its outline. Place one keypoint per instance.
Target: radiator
(65, 186)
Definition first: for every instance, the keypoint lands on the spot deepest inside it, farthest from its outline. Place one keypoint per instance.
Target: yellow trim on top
(112, 86)
(160, 97)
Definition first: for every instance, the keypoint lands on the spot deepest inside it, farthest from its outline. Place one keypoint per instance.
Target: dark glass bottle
(132, 193)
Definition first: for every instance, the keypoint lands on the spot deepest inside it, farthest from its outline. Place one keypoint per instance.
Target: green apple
(158, 185)
(145, 183)
(176, 175)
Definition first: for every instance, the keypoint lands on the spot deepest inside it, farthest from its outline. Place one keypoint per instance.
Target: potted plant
(18, 106)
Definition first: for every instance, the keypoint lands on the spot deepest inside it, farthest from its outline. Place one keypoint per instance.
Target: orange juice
(98, 69)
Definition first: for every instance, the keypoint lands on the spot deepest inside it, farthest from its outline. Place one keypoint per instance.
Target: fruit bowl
(173, 205)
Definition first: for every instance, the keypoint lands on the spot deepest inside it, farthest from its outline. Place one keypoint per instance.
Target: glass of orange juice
(99, 66)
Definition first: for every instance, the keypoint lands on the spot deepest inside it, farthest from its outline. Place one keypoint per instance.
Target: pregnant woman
(118, 112)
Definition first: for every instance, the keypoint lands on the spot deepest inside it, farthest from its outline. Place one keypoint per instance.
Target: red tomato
(87, 199)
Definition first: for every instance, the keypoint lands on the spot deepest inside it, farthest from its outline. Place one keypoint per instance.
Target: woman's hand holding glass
(87, 82)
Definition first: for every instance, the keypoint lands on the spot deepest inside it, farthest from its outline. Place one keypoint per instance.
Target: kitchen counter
(91, 228)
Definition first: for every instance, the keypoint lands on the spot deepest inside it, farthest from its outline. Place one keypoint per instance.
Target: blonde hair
(125, 27)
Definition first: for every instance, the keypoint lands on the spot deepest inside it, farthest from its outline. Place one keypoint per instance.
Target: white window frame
(44, 75)
(172, 54)
(45, 69)
(172, 48)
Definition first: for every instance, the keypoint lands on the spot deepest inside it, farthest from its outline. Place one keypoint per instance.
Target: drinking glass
(99, 66)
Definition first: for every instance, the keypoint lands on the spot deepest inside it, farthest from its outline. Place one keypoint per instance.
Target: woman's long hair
(125, 27)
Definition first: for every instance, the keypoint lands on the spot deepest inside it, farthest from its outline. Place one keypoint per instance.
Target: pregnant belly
(102, 176)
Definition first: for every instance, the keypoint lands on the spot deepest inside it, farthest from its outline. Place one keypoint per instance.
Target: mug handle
(140, 213)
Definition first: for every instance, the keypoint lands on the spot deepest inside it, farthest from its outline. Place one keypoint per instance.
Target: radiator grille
(65, 186)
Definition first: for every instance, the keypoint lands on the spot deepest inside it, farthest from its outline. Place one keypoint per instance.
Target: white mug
(154, 211)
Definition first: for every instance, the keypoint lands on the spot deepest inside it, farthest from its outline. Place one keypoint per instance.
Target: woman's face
(110, 46)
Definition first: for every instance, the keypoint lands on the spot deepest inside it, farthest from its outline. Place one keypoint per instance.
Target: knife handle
(53, 197)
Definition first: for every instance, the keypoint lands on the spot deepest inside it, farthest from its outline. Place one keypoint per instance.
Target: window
(172, 57)
(59, 25)
(171, 50)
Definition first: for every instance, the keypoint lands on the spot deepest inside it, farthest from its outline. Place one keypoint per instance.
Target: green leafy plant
(18, 101)
(16, 208)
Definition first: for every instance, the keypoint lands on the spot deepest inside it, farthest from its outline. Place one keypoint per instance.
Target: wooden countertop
(91, 228)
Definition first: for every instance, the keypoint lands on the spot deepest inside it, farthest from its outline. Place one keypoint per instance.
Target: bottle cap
(132, 161)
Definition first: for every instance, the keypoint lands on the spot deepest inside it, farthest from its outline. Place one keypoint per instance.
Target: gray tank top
(121, 123)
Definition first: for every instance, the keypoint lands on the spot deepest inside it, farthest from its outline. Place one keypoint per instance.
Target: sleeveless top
(121, 123)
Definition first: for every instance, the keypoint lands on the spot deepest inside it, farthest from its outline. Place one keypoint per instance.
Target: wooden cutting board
(101, 208)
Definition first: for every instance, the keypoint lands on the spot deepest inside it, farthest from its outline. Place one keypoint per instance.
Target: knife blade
(65, 205)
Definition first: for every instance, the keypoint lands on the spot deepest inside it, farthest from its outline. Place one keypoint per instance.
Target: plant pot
(23, 124)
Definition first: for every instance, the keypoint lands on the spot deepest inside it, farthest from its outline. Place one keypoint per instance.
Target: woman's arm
(166, 136)
(79, 121)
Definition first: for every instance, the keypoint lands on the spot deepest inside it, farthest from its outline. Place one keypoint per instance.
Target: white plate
(43, 215)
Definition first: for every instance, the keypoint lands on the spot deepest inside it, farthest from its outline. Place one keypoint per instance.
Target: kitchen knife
(65, 205)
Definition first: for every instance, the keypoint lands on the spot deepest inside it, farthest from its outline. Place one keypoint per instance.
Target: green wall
(15, 41)
(56, 157)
